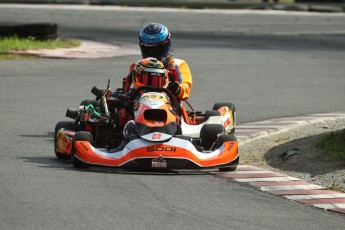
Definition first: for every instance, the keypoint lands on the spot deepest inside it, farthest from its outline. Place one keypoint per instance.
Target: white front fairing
(194, 130)
(175, 142)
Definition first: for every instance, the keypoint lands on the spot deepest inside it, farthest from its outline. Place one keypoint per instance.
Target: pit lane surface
(268, 65)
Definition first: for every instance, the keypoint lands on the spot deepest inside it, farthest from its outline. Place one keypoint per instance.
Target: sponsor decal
(230, 146)
(156, 136)
(153, 99)
(154, 96)
(159, 163)
(84, 147)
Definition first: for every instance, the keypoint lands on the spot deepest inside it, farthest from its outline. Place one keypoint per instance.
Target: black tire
(178, 130)
(211, 113)
(209, 134)
(40, 31)
(228, 169)
(187, 138)
(6, 31)
(225, 137)
(220, 141)
(80, 136)
(218, 105)
(70, 125)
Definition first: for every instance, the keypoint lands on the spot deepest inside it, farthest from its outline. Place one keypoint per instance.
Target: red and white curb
(255, 130)
(87, 49)
(279, 184)
(289, 187)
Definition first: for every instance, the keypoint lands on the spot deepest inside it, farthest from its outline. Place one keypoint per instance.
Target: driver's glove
(174, 87)
(173, 75)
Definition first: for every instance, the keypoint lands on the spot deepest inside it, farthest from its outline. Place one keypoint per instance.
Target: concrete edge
(271, 127)
(205, 4)
(86, 50)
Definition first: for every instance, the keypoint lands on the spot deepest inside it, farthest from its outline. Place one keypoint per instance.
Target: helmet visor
(151, 79)
(158, 51)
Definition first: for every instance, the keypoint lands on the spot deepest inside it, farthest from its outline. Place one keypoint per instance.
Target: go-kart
(163, 135)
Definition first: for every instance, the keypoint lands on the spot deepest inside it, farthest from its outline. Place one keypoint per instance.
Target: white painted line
(249, 130)
(327, 115)
(290, 187)
(329, 206)
(268, 179)
(248, 172)
(239, 127)
(173, 10)
(246, 166)
(316, 196)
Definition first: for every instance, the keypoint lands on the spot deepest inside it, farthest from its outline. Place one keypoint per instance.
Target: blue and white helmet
(155, 41)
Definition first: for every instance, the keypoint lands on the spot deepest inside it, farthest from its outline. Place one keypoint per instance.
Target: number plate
(159, 163)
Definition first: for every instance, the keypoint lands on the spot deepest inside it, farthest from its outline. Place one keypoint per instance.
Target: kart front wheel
(220, 141)
(209, 134)
(69, 125)
(211, 113)
(80, 136)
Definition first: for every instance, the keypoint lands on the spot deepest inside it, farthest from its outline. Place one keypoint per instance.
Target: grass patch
(16, 56)
(333, 144)
(335, 187)
(281, 139)
(15, 44)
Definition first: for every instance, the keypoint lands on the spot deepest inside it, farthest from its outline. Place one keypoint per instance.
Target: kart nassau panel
(156, 133)
(156, 136)
(154, 117)
(64, 141)
(177, 154)
(194, 130)
(153, 114)
(153, 109)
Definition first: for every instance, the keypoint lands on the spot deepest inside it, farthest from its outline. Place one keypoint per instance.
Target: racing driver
(155, 41)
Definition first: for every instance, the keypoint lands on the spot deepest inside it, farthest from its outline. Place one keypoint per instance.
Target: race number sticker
(159, 163)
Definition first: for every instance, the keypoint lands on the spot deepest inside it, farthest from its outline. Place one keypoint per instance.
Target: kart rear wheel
(209, 134)
(220, 141)
(231, 106)
(70, 125)
(80, 136)
(211, 113)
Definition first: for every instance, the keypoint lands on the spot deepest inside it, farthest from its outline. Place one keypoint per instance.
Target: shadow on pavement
(301, 155)
(49, 162)
(63, 164)
(49, 136)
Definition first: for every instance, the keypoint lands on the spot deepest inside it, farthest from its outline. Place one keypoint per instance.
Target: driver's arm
(184, 77)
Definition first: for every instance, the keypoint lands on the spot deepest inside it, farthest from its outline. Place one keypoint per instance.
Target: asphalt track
(269, 65)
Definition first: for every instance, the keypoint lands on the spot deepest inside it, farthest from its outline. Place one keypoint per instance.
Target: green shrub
(8, 44)
(333, 144)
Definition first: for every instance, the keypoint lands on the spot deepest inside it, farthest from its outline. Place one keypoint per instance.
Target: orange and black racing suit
(179, 72)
